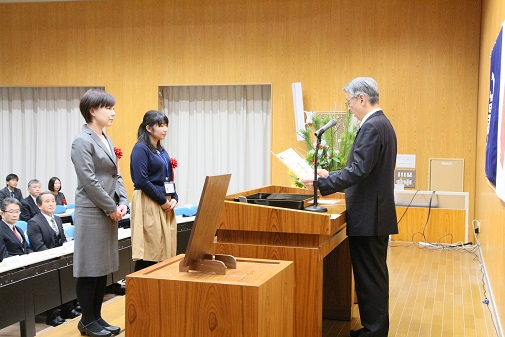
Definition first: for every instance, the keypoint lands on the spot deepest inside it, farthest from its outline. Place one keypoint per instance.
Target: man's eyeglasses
(13, 211)
(348, 101)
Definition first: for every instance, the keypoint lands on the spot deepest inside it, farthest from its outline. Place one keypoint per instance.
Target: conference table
(33, 283)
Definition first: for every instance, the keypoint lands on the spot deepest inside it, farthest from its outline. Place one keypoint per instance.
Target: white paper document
(295, 163)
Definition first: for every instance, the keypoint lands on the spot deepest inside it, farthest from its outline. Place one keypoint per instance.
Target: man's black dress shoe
(70, 314)
(356, 333)
(93, 329)
(54, 320)
(112, 328)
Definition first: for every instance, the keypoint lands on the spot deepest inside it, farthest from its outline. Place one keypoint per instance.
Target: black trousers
(368, 258)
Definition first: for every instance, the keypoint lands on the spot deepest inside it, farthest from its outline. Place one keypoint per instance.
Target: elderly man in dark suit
(12, 238)
(11, 190)
(29, 206)
(368, 182)
(45, 231)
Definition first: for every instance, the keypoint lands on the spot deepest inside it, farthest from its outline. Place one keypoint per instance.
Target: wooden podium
(203, 295)
(316, 242)
(253, 300)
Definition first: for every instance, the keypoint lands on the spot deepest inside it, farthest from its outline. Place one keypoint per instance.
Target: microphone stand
(315, 207)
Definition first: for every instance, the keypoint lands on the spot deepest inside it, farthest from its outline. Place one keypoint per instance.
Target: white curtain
(38, 127)
(217, 130)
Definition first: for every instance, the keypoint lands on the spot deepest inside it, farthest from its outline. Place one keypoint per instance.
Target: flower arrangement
(335, 144)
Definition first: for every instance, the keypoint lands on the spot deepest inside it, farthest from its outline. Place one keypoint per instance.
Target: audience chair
(22, 224)
(182, 211)
(69, 232)
(60, 209)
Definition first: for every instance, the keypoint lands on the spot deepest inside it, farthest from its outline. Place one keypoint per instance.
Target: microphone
(322, 130)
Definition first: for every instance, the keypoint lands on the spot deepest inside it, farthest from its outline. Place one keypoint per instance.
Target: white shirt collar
(368, 116)
(10, 226)
(48, 218)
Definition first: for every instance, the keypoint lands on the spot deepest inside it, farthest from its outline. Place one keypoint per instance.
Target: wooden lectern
(253, 300)
(316, 242)
(202, 295)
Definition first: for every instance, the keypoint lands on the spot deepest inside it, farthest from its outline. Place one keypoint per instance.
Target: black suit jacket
(6, 193)
(42, 236)
(9, 243)
(28, 209)
(368, 179)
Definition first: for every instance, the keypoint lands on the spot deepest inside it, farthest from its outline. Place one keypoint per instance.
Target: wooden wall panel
(424, 56)
(489, 210)
(433, 226)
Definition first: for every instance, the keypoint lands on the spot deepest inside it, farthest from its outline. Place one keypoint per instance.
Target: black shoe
(116, 289)
(356, 333)
(93, 329)
(111, 288)
(70, 314)
(112, 328)
(54, 320)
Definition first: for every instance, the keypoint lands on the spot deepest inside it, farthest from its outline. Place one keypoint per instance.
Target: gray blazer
(99, 190)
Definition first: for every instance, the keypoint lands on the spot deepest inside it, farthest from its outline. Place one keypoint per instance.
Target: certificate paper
(296, 163)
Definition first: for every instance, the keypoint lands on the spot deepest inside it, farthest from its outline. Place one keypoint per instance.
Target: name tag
(169, 187)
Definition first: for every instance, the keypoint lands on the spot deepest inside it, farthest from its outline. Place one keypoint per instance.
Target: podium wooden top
(249, 272)
(260, 218)
(270, 189)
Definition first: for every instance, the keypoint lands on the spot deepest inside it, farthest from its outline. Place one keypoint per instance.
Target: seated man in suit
(45, 231)
(12, 238)
(11, 190)
(29, 206)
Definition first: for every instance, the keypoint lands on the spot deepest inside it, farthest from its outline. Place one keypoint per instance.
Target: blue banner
(492, 117)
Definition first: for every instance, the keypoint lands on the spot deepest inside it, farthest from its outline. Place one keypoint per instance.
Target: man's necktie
(54, 227)
(12, 194)
(17, 234)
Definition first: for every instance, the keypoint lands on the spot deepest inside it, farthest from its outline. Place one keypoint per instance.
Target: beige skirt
(154, 232)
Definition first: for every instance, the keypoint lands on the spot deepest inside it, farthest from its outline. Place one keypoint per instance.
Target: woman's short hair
(94, 99)
(50, 185)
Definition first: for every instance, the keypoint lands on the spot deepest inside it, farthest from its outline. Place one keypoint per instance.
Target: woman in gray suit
(100, 202)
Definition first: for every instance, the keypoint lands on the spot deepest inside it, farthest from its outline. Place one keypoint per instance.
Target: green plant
(335, 144)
